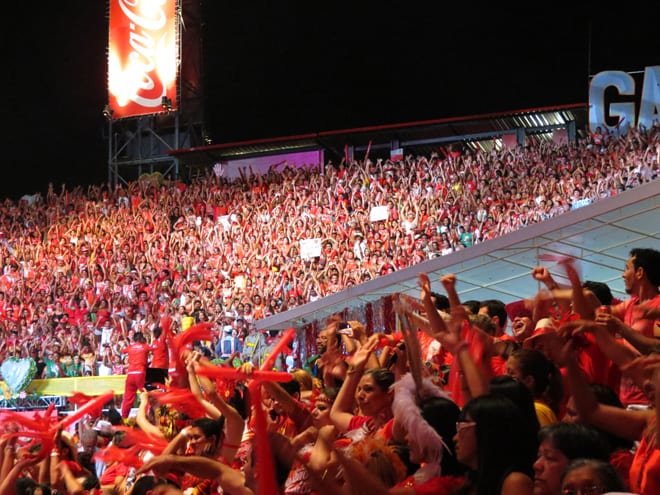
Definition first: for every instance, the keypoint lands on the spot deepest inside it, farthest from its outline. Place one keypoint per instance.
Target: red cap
(517, 308)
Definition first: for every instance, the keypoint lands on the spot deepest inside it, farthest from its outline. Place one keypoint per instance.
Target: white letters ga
(649, 106)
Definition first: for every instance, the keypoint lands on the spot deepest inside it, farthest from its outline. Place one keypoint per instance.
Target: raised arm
(234, 422)
(143, 422)
(610, 324)
(198, 384)
(342, 409)
(450, 333)
(231, 480)
(622, 422)
(300, 415)
(8, 484)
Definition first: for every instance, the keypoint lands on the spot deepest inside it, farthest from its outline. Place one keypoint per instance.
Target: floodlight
(107, 112)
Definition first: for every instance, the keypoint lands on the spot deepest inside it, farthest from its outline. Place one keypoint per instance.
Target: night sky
(297, 67)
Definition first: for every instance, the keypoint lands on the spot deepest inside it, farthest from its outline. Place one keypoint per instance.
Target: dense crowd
(82, 268)
(452, 404)
(162, 281)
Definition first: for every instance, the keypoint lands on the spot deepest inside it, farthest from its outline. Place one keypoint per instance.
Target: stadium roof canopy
(600, 236)
(416, 138)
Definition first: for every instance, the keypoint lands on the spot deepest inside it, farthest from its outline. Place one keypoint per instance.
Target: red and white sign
(142, 57)
(396, 155)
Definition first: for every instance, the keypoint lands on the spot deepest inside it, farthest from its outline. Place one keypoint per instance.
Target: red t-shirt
(645, 468)
(161, 356)
(138, 354)
(112, 472)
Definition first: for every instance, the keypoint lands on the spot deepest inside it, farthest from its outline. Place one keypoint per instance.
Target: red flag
(229, 373)
(181, 400)
(266, 483)
(199, 331)
(278, 349)
(93, 408)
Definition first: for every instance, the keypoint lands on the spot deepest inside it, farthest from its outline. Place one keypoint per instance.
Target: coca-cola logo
(145, 52)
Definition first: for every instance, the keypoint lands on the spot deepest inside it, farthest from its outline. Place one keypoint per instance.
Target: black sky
(294, 67)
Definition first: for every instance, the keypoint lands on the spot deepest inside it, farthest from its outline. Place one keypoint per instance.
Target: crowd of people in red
(83, 268)
(544, 411)
(560, 402)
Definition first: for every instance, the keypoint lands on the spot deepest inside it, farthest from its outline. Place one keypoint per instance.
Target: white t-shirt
(104, 370)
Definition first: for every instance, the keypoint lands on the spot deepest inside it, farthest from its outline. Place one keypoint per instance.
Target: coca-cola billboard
(142, 57)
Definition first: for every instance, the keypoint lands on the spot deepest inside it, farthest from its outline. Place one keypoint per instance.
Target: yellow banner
(88, 385)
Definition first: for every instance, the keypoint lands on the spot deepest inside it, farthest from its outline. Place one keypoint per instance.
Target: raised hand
(448, 282)
(643, 367)
(360, 357)
(542, 274)
(425, 286)
(607, 320)
(247, 368)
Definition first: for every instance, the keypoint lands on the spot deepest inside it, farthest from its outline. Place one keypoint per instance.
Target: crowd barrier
(66, 387)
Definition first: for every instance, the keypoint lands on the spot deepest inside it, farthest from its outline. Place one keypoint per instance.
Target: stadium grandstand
(599, 234)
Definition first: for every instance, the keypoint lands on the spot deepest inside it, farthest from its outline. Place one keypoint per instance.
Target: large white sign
(310, 248)
(378, 213)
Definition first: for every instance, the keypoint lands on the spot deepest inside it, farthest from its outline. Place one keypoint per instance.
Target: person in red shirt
(160, 358)
(138, 357)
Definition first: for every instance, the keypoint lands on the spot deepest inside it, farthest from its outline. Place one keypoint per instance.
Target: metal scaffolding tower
(141, 144)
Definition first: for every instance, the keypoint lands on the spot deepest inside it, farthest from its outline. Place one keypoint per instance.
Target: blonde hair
(303, 377)
(380, 458)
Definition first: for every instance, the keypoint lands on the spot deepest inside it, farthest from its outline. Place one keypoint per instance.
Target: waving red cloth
(181, 400)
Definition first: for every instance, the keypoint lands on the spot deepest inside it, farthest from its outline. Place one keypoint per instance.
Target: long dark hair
(520, 395)
(441, 414)
(548, 382)
(211, 428)
(501, 448)
(383, 377)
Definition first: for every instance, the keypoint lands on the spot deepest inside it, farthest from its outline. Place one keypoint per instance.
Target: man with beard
(328, 364)
(496, 311)
(633, 322)
(622, 330)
